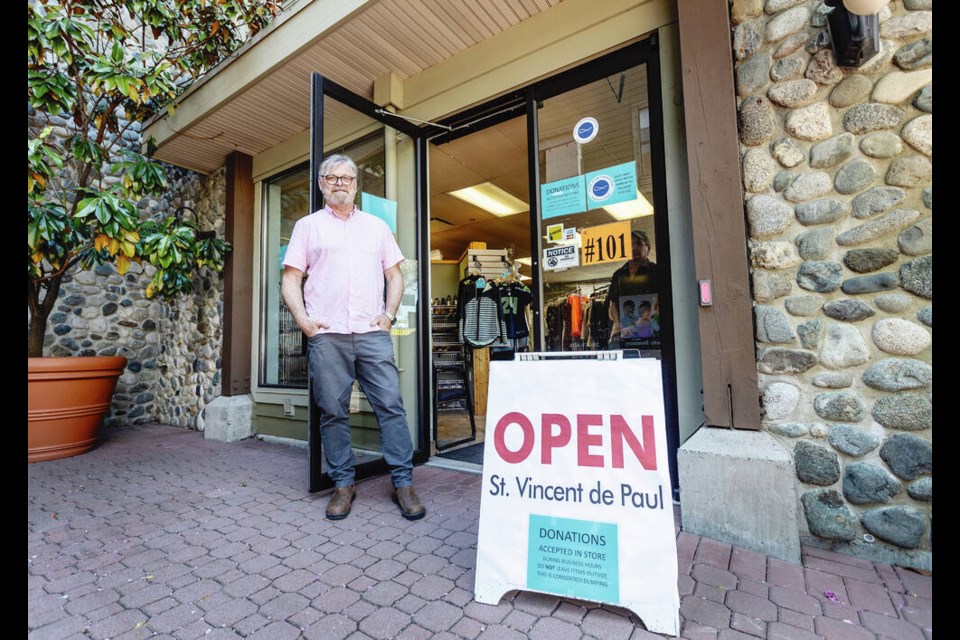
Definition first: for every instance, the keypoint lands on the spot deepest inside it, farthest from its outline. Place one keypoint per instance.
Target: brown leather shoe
(410, 506)
(339, 506)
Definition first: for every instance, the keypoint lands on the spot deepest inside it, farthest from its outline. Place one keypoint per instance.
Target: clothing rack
(451, 380)
(582, 326)
(596, 286)
(451, 390)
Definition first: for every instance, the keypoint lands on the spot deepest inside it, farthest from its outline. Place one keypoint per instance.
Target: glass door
(391, 158)
(601, 281)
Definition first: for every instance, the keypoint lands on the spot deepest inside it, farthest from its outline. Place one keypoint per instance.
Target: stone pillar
(228, 419)
(738, 487)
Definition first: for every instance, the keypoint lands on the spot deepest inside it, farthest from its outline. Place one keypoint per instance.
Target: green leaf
(116, 54)
(33, 235)
(85, 207)
(103, 211)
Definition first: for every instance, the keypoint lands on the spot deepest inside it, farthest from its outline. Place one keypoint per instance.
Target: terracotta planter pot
(66, 401)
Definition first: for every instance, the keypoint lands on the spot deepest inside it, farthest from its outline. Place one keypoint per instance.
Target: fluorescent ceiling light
(492, 198)
(631, 209)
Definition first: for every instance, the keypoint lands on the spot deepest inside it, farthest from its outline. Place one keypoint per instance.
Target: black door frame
(321, 88)
(528, 100)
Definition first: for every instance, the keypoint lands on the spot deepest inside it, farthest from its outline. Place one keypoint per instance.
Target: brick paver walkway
(160, 533)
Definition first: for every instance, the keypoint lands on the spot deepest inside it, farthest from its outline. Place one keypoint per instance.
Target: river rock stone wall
(837, 176)
(191, 336)
(173, 348)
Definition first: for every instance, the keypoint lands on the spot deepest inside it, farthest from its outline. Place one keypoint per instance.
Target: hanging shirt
(553, 326)
(344, 261)
(575, 318)
(514, 298)
(600, 322)
(479, 317)
(587, 336)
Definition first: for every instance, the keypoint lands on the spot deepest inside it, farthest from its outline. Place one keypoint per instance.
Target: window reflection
(286, 200)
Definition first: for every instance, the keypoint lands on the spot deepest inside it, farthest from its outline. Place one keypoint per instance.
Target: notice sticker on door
(563, 257)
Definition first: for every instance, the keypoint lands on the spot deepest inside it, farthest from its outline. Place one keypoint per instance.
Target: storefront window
(284, 361)
(600, 279)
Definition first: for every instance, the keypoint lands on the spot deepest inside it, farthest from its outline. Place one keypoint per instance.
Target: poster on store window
(576, 495)
(382, 208)
(640, 321)
(611, 185)
(562, 197)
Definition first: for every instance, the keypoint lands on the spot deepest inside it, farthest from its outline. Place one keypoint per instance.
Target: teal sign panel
(561, 197)
(576, 558)
(611, 185)
(384, 209)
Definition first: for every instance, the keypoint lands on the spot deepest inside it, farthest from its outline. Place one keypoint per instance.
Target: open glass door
(391, 157)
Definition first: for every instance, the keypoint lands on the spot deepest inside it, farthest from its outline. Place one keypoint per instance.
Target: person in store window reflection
(637, 280)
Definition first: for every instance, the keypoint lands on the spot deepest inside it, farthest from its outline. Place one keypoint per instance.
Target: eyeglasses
(332, 179)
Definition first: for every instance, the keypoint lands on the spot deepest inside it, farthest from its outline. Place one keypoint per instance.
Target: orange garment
(576, 318)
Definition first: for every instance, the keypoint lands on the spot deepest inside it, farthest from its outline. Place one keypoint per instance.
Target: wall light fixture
(854, 30)
(201, 235)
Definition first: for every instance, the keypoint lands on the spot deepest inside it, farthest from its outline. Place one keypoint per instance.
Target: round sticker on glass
(586, 130)
(600, 188)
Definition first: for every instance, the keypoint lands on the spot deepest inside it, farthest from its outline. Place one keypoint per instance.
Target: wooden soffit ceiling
(260, 97)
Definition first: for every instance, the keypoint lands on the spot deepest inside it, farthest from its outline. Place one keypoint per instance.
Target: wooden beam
(238, 274)
(554, 40)
(731, 397)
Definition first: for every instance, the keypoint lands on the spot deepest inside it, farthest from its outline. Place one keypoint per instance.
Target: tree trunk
(39, 313)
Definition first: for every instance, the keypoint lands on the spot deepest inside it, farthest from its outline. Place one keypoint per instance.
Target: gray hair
(334, 160)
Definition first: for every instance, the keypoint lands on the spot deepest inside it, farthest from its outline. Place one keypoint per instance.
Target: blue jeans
(335, 361)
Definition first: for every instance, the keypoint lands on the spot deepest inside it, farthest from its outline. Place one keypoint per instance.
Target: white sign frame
(576, 493)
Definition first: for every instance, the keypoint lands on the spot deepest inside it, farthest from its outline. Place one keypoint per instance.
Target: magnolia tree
(96, 70)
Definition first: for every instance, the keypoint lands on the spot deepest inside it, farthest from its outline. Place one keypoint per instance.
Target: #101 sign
(576, 485)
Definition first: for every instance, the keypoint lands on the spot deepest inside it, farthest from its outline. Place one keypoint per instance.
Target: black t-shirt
(643, 281)
(514, 299)
(628, 295)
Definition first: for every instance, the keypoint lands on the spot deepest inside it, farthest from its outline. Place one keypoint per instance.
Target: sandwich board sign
(576, 486)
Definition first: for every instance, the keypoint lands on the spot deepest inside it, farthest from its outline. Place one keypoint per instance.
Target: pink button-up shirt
(344, 261)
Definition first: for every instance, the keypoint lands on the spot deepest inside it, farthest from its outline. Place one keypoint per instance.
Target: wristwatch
(393, 318)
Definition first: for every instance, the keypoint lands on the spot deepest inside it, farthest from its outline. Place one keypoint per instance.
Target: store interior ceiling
(498, 155)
